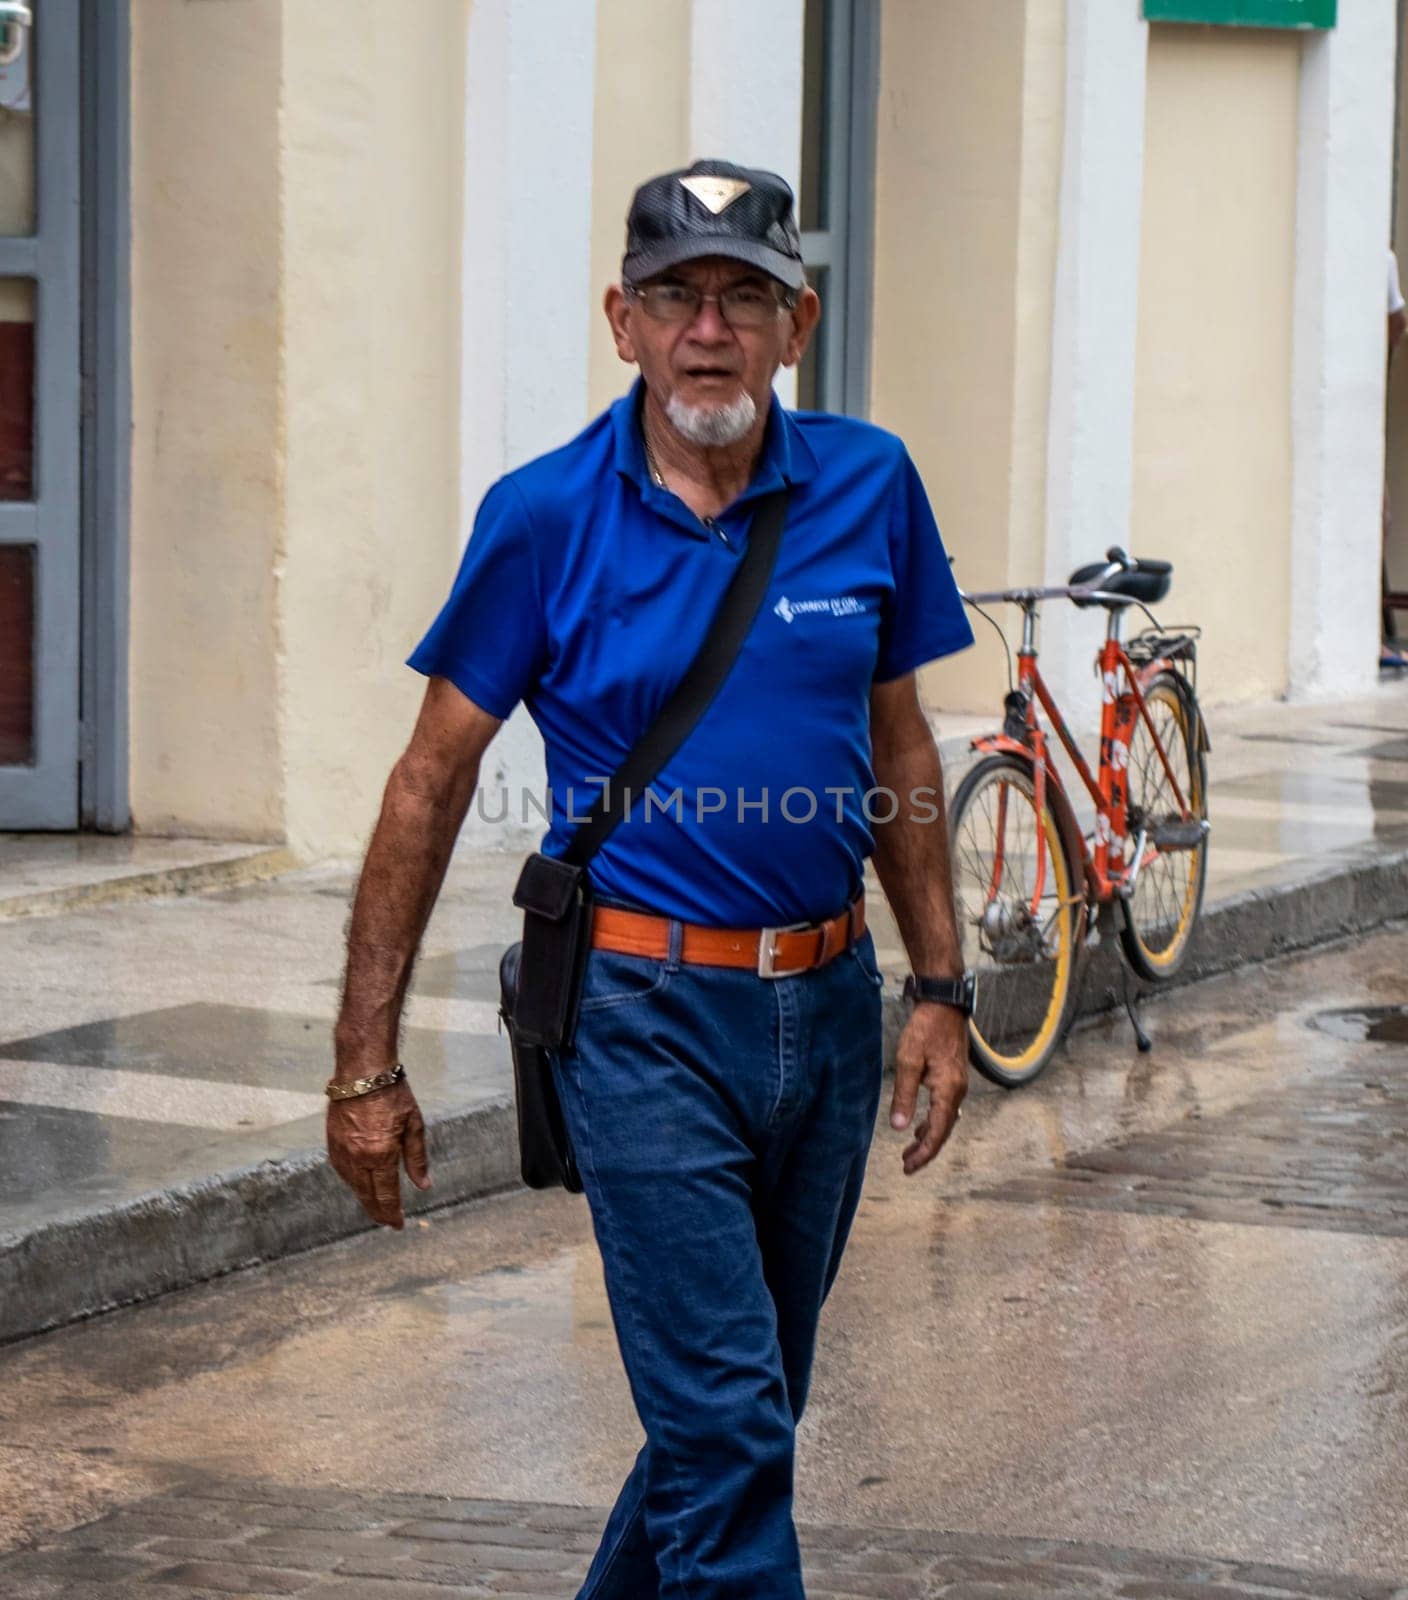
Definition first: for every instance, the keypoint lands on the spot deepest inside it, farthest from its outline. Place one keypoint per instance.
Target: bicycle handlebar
(1118, 559)
(1024, 597)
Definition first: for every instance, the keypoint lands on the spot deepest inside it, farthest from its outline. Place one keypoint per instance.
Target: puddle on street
(1365, 1024)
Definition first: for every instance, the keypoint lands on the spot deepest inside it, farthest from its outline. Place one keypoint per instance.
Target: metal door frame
(83, 368)
(107, 414)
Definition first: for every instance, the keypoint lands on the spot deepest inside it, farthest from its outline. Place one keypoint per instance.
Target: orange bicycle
(1032, 888)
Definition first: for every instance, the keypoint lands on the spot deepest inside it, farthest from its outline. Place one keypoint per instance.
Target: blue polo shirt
(586, 590)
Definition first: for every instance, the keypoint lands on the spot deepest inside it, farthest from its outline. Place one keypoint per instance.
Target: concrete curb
(92, 1262)
(250, 867)
(1331, 902)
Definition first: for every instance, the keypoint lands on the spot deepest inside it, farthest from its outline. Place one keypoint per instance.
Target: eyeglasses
(745, 305)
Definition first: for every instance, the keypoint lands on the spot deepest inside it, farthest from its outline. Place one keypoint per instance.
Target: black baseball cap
(713, 209)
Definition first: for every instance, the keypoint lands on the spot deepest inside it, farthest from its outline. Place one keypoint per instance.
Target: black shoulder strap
(696, 690)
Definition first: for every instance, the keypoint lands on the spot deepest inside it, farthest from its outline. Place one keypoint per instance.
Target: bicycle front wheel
(1161, 914)
(1016, 907)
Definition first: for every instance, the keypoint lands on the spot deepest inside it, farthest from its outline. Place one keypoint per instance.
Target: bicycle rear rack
(1176, 644)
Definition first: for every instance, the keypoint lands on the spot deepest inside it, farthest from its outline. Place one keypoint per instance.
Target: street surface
(162, 1052)
(1143, 1333)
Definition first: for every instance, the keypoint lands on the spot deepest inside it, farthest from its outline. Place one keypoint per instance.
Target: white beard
(712, 426)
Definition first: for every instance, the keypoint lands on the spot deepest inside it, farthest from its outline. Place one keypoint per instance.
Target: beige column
(373, 128)
(1212, 461)
(967, 198)
(207, 447)
(297, 201)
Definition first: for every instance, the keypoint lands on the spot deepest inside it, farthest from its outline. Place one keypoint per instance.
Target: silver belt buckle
(767, 947)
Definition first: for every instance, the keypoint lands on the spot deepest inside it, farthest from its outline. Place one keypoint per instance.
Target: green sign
(1245, 13)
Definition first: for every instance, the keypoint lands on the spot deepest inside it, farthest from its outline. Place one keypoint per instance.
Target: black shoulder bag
(540, 979)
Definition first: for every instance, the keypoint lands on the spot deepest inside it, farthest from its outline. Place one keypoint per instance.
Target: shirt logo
(842, 605)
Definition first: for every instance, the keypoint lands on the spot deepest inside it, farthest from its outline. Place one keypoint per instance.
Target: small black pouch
(553, 897)
(545, 1158)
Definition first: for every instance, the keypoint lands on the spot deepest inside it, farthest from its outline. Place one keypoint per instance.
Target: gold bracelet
(343, 1089)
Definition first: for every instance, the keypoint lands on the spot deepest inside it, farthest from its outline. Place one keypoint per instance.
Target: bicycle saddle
(1148, 584)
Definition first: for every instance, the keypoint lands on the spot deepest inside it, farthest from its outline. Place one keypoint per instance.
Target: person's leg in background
(1391, 653)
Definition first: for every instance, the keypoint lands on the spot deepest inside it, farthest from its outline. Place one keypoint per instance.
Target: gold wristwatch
(351, 1088)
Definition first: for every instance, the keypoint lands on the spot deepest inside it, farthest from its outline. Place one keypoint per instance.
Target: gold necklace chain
(650, 460)
(655, 472)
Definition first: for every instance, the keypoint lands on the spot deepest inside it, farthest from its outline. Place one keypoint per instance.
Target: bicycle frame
(1111, 868)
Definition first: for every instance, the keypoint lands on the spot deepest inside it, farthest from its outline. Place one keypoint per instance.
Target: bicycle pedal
(1180, 835)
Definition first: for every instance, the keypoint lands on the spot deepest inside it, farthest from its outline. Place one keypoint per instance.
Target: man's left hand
(933, 1051)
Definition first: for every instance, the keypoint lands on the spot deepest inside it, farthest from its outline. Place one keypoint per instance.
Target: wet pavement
(159, 1041)
(161, 1058)
(1142, 1332)
(147, 1043)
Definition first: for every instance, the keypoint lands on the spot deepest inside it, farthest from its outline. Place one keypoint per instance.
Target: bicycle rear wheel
(1016, 906)
(1161, 914)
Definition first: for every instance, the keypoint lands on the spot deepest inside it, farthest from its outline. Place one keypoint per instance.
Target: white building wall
(1342, 232)
(529, 300)
(745, 101)
(1090, 442)
(528, 296)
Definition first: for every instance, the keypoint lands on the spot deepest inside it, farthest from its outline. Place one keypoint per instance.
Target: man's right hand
(426, 798)
(368, 1137)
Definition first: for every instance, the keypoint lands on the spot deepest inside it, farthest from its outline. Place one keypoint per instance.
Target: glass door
(40, 397)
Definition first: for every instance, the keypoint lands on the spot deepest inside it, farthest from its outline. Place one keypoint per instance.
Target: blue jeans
(721, 1122)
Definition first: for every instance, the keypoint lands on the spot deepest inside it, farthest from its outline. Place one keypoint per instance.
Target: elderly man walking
(722, 1084)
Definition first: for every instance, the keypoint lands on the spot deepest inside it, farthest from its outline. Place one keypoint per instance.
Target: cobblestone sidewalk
(216, 1540)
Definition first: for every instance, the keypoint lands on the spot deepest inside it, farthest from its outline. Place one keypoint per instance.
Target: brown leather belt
(770, 952)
